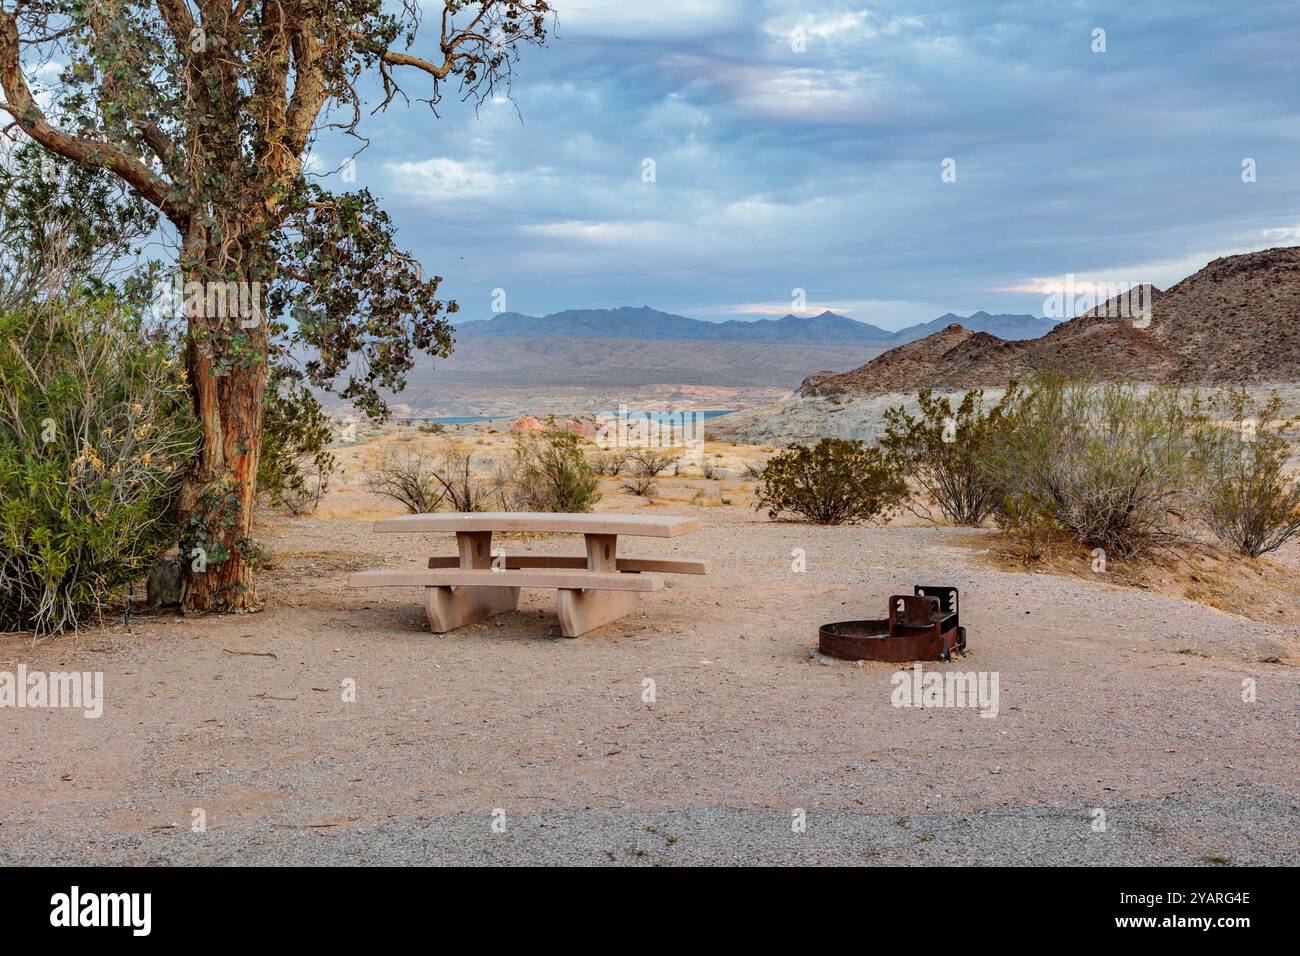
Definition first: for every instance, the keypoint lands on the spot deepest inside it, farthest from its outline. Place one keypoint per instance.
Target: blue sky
(820, 169)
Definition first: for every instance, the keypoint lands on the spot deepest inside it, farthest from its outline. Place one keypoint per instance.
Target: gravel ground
(1183, 830)
(1115, 699)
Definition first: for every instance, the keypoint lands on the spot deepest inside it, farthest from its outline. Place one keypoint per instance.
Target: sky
(894, 161)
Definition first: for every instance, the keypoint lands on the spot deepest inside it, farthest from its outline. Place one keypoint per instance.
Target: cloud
(843, 26)
(445, 180)
(1285, 235)
(1162, 273)
(820, 170)
(643, 20)
(807, 94)
(606, 234)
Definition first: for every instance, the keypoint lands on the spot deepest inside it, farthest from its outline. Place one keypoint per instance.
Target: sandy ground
(1110, 699)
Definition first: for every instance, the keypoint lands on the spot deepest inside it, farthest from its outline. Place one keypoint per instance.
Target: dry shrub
(945, 451)
(1246, 498)
(421, 481)
(1112, 464)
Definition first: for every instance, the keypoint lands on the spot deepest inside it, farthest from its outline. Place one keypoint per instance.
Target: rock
(166, 585)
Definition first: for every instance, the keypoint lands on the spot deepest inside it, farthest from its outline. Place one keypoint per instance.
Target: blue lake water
(471, 419)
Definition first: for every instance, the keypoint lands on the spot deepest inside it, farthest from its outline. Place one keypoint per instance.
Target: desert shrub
(95, 427)
(641, 485)
(945, 452)
(422, 480)
(295, 464)
(406, 477)
(1246, 498)
(834, 482)
(609, 464)
(651, 464)
(464, 488)
(1112, 464)
(552, 473)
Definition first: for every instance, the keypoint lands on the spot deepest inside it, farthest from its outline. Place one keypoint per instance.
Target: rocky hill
(1003, 326)
(1236, 320)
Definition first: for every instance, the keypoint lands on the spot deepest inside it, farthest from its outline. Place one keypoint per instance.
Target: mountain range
(828, 328)
(1237, 320)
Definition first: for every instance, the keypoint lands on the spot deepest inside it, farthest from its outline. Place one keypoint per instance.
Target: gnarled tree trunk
(227, 368)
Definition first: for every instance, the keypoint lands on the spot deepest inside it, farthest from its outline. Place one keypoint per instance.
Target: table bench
(591, 590)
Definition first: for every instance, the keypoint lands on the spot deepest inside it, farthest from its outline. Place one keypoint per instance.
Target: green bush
(834, 482)
(1112, 464)
(552, 473)
(945, 452)
(1246, 498)
(95, 426)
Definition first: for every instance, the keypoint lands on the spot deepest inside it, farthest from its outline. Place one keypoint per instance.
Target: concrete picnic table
(591, 590)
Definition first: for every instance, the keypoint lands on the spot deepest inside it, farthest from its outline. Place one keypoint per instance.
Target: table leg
(584, 610)
(451, 607)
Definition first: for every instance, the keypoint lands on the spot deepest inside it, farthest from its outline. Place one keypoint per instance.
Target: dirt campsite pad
(1129, 727)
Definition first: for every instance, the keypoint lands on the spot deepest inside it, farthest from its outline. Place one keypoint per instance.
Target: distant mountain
(1012, 327)
(1236, 320)
(828, 328)
(556, 361)
(648, 323)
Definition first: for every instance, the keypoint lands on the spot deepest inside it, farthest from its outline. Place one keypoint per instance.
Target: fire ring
(923, 626)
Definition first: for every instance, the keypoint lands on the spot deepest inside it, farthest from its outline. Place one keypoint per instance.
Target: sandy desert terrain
(1112, 698)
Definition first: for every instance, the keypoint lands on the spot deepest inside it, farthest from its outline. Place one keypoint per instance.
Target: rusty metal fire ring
(923, 626)
(871, 641)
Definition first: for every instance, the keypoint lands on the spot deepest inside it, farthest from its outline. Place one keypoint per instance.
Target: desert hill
(1236, 320)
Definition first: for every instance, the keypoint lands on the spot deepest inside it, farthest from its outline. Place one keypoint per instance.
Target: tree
(204, 108)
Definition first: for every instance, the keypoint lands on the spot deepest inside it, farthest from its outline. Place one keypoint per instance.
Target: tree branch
(87, 153)
(393, 58)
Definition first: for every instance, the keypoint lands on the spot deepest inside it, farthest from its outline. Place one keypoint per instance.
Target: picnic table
(591, 589)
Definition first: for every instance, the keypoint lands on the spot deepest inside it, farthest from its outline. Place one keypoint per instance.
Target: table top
(655, 526)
